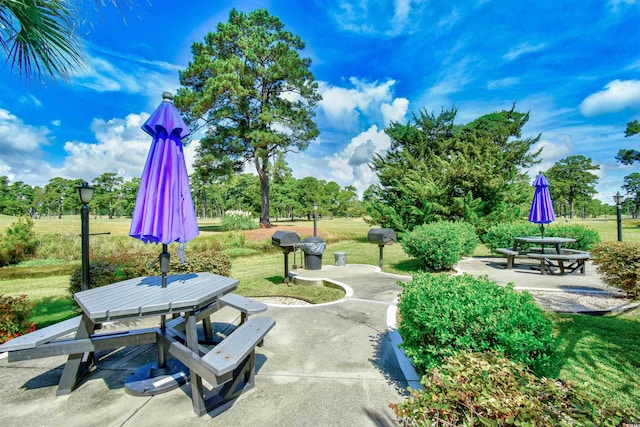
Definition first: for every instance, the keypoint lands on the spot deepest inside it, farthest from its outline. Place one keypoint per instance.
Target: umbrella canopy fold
(541, 211)
(164, 211)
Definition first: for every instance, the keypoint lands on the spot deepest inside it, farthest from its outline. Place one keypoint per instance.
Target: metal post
(315, 219)
(619, 214)
(84, 219)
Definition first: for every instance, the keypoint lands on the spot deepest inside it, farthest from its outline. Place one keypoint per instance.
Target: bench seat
(575, 261)
(245, 305)
(227, 355)
(229, 367)
(42, 336)
(510, 253)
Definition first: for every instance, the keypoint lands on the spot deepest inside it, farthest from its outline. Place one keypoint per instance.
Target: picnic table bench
(229, 367)
(568, 262)
(522, 247)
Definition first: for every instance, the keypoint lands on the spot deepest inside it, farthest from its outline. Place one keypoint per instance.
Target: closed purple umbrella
(541, 211)
(164, 210)
(163, 213)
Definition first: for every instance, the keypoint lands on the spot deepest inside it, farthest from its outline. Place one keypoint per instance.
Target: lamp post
(618, 198)
(85, 193)
(315, 219)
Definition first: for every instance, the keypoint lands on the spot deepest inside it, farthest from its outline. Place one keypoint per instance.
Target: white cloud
(502, 83)
(523, 49)
(122, 148)
(396, 111)
(21, 150)
(616, 96)
(129, 75)
(378, 17)
(344, 107)
(349, 166)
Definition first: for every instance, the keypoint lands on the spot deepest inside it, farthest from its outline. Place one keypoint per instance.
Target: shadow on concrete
(385, 360)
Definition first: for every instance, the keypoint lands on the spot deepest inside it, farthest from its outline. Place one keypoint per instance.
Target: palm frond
(38, 38)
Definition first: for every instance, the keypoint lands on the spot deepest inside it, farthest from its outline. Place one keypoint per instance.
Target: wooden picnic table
(190, 298)
(556, 242)
(566, 261)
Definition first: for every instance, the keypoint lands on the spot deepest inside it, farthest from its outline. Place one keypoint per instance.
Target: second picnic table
(566, 260)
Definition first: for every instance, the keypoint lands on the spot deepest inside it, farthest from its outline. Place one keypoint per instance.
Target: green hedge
(440, 245)
(442, 315)
(129, 265)
(485, 389)
(502, 235)
(619, 264)
(14, 317)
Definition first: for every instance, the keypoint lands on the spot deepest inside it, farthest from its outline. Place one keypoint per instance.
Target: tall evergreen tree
(253, 93)
(571, 179)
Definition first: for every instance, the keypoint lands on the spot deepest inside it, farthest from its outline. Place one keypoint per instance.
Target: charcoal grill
(288, 241)
(381, 237)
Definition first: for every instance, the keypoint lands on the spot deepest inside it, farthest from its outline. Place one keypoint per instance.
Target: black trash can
(313, 248)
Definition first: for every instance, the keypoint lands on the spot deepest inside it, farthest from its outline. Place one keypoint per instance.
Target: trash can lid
(313, 246)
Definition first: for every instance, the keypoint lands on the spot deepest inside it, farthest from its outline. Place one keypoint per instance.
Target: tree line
(115, 197)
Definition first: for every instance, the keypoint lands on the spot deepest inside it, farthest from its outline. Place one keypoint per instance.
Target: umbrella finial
(167, 97)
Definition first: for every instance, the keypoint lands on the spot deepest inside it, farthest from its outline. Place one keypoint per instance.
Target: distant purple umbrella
(541, 211)
(164, 210)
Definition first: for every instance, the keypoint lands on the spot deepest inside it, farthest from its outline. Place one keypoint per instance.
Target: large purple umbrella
(164, 210)
(163, 213)
(541, 211)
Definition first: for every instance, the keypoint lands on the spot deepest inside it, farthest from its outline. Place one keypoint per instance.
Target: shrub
(585, 237)
(18, 242)
(100, 273)
(502, 235)
(238, 220)
(619, 264)
(123, 266)
(440, 245)
(14, 317)
(443, 314)
(473, 389)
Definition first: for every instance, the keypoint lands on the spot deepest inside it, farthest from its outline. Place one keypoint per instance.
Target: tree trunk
(263, 173)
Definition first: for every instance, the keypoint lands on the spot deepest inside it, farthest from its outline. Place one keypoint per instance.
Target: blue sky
(575, 66)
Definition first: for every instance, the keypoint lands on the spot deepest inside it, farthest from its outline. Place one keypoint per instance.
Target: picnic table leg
(197, 395)
(75, 368)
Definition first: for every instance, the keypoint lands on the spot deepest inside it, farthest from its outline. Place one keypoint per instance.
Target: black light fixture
(85, 194)
(618, 199)
(315, 219)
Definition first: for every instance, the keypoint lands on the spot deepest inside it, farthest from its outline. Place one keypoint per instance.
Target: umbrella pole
(164, 269)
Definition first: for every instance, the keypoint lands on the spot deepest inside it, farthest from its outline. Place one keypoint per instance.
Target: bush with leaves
(101, 273)
(619, 264)
(442, 315)
(440, 245)
(586, 238)
(123, 266)
(503, 235)
(18, 242)
(473, 389)
(14, 317)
